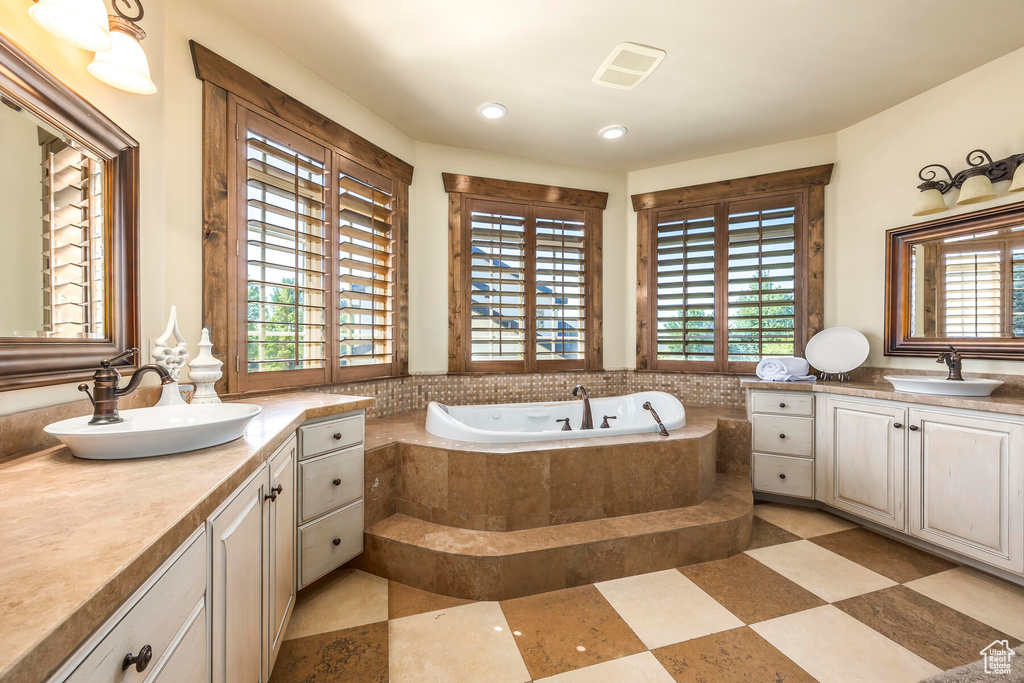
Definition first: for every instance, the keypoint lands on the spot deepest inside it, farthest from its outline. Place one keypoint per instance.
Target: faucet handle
(565, 425)
(118, 358)
(604, 422)
(85, 388)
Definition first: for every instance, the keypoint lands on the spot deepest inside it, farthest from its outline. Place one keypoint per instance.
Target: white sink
(940, 386)
(160, 430)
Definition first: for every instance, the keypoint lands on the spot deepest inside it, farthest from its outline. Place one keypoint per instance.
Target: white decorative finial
(171, 358)
(204, 371)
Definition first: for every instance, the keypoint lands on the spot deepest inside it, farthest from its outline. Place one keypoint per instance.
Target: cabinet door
(236, 589)
(966, 485)
(865, 460)
(281, 558)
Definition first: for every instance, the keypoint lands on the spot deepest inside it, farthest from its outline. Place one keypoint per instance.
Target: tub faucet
(954, 362)
(588, 417)
(106, 392)
(654, 414)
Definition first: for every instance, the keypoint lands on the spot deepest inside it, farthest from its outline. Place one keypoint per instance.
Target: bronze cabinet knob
(337, 436)
(914, 428)
(278, 489)
(782, 436)
(336, 541)
(272, 496)
(141, 660)
(782, 476)
(898, 425)
(337, 482)
(782, 405)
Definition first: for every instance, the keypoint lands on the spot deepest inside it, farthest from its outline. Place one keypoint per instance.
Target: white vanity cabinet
(967, 485)
(865, 450)
(783, 441)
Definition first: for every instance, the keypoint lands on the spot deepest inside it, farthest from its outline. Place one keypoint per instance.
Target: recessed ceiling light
(613, 132)
(492, 110)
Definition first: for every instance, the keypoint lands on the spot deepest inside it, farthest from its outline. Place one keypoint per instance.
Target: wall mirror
(68, 220)
(959, 281)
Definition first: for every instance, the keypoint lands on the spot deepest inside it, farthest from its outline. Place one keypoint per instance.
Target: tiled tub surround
(79, 537)
(508, 487)
(549, 540)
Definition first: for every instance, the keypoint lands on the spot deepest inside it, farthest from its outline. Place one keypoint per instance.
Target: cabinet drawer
(330, 436)
(330, 481)
(155, 620)
(783, 435)
(786, 476)
(330, 542)
(782, 403)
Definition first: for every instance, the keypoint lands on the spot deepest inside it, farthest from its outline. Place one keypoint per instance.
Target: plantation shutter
(366, 265)
(286, 258)
(560, 259)
(761, 278)
(497, 281)
(1017, 290)
(73, 240)
(973, 292)
(685, 285)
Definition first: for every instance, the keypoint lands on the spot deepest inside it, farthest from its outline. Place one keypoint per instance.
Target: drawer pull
(336, 541)
(337, 436)
(782, 476)
(141, 660)
(272, 496)
(913, 428)
(782, 405)
(898, 425)
(337, 482)
(782, 436)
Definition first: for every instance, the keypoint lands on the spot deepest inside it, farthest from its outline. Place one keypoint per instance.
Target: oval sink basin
(161, 430)
(940, 386)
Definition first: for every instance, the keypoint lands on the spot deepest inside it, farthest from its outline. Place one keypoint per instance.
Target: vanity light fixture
(974, 182)
(124, 65)
(613, 132)
(82, 23)
(492, 110)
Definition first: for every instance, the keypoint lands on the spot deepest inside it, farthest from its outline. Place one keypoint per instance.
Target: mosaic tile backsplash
(396, 396)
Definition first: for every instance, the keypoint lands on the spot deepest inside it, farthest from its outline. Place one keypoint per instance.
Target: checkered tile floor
(814, 598)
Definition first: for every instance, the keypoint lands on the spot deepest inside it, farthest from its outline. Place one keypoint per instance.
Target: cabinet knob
(141, 660)
(278, 489)
(782, 476)
(272, 496)
(782, 436)
(782, 405)
(898, 425)
(913, 428)
(337, 436)
(337, 482)
(336, 541)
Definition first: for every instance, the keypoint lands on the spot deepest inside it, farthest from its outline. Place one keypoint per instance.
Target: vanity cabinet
(864, 459)
(783, 441)
(967, 485)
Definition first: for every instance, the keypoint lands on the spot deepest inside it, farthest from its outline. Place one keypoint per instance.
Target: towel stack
(785, 369)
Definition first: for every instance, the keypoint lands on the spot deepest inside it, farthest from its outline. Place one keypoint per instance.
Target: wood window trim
(223, 83)
(809, 183)
(899, 242)
(463, 189)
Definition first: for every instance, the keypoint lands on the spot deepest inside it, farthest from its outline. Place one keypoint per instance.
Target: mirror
(69, 221)
(52, 226)
(958, 281)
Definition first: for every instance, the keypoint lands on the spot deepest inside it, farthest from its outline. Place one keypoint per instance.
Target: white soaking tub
(524, 422)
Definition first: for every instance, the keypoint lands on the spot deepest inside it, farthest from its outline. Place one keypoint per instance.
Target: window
(525, 288)
(726, 271)
(305, 259)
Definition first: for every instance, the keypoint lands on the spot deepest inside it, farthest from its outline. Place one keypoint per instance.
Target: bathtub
(524, 422)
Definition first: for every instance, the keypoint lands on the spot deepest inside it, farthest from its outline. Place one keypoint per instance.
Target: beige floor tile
(638, 668)
(829, 576)
(467, 643)
(804, 522)
(666, 607)
(834, 647)
(985, 598)
(343, 599)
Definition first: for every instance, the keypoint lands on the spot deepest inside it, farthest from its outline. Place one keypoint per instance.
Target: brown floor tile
(929, 629)
(766, 533)
(750, 590)
(568, 629)
(736, 655)
(405, 601)
(892, 559)
(356, 655)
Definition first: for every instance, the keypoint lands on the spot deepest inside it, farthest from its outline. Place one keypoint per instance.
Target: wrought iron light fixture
(974, 182)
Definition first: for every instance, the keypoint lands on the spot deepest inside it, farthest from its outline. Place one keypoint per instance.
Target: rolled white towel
(785, 369)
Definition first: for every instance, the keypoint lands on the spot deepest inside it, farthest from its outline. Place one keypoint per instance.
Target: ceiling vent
(628, 65)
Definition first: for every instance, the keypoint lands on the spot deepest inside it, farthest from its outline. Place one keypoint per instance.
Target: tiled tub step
(492, 565)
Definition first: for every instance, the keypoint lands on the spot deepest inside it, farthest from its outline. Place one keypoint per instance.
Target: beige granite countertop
(78, 537)
(411, 428)
(1007, 404)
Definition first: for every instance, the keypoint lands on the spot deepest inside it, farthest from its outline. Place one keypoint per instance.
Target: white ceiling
(739, 73)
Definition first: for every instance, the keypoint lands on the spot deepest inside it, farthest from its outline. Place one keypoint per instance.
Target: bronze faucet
(654, 414)
(588, 417)
(106, 392)
(954, 362)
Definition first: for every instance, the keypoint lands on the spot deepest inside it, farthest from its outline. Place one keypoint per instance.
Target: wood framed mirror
(957, 281)
(69, 193)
